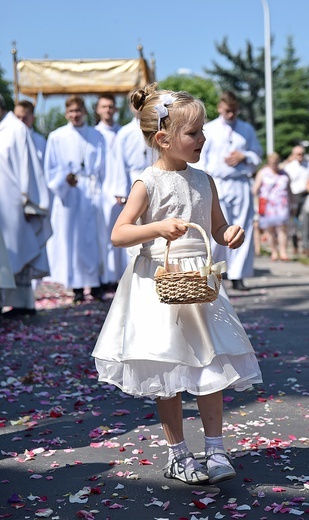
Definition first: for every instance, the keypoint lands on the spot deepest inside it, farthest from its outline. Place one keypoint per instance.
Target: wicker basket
(190, 286)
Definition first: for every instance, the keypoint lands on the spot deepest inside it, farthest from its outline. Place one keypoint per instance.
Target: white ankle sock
(210, 444)
(175, 450)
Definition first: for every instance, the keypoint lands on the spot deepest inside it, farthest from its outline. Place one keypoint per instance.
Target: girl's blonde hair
(182, 112)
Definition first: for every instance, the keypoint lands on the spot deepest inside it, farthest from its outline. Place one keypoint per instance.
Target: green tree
(245, 77)
(201, 88)
(291, 102)
(53, 119)
(6, 91)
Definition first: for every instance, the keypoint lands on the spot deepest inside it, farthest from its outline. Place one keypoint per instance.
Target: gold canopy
(53, 77)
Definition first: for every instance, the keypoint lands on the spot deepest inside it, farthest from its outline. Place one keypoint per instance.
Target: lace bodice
(184, 194)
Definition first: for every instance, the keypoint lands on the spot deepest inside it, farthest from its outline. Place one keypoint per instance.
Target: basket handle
(206, 240)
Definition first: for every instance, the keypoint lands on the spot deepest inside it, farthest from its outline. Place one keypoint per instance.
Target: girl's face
(188, 143)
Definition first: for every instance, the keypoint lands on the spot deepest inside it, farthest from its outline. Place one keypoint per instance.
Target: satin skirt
(148, 348)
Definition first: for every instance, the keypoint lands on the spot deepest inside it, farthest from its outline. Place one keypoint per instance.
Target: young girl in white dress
(153, 349)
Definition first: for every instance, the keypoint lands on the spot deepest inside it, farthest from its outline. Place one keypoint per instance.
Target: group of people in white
(60, 198)
(76, 188)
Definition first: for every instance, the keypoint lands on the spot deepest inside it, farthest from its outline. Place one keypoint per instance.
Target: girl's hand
(234, 236)
(172, 228)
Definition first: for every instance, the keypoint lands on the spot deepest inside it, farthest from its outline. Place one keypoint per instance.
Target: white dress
(148, 348)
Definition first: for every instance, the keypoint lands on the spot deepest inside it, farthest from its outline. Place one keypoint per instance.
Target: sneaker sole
(221, 478)
(186, 481)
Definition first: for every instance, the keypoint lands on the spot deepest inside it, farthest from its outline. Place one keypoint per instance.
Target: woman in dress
(149, 348)
(272, 187)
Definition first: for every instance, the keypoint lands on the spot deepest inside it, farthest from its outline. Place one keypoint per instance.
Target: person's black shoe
(238, 285)
(98, 293)
(18, 311)
(78, 295)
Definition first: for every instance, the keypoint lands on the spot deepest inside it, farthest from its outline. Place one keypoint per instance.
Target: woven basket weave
(189, 286)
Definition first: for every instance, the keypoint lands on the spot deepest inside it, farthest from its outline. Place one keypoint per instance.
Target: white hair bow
(165, 99)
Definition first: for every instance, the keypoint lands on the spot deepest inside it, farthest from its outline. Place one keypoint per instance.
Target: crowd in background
(60, 197)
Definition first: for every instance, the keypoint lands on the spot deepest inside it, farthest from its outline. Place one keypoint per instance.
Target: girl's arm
(225, 235)
(127, 233)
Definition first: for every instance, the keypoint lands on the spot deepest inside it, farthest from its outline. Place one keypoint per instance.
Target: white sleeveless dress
(148, 348)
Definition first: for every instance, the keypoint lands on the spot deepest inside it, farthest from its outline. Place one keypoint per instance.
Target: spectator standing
(24, 204)
(106, 110)
(297, 169)
(272, 186)
(231, 155)
(305, 224)
(75, 167)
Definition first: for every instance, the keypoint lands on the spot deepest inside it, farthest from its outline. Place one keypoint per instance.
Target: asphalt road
(73, 448)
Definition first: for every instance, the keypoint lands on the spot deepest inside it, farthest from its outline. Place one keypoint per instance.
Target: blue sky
(179, 34)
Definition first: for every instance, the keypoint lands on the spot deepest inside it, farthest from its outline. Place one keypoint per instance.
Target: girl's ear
(161, 139)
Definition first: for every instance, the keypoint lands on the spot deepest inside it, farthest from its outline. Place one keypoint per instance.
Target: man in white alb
(24, 111)
(231, 155)
(24, 219)
(112, 205)
(131, 156)
(75, 169)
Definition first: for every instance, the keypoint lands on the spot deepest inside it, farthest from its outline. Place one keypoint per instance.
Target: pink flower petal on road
(85, 514)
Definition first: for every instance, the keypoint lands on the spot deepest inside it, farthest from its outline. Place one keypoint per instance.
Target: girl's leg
(211, 412)
(273, 243)
(170, 413)
(218, 463)
(181, 463)
(283, 242)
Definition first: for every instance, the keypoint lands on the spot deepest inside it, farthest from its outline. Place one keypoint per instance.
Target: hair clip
(166, 99)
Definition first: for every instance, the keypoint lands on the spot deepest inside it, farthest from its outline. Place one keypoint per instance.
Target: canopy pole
(16, 87)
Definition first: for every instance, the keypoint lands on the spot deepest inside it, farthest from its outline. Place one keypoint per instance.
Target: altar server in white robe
(24, 203)
(231, 155)
(112, 204)
(75, 168)
(131, 155)
(24, 111)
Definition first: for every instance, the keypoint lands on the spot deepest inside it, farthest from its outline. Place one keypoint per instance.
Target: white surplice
(77, 249)
(233, 185)
(131, 156)
(111, 209)
(22, 191)
(40, 144)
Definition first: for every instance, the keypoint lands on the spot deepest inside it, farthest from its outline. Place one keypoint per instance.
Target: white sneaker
(178, 469)
(218, 472)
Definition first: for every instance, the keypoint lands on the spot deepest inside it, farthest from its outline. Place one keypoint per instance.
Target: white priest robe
(233, 185)
(111, 209)
(40, 144)
(24, 203)
(77, 249)
(131, 156)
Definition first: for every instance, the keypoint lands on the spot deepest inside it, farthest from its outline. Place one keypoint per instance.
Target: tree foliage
(53, 119)
(6, 91)
(246, 77)
(291, 102)
(201, 88)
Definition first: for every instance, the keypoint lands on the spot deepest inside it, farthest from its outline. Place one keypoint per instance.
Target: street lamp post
(268, 80)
